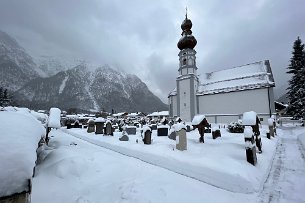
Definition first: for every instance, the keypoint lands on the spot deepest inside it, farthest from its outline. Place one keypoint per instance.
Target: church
(223, 95)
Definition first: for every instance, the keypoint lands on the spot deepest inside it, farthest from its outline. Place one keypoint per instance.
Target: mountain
(16, 66)
(51, 65)
(104, 88)
(48, 81)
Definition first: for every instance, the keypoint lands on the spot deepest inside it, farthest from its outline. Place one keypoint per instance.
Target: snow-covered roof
(160, 113)
(251, 76)
(198, 119)
(173, 92)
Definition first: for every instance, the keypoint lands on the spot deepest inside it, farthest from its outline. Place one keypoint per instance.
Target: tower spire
(185, 12)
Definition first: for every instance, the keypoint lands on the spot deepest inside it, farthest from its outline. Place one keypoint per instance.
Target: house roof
(251, 76)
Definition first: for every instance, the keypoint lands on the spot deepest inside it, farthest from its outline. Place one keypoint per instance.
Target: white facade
(229, 105)
(225, 95)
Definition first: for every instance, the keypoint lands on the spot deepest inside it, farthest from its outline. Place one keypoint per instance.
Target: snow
(178, 126)
(163, 126)
(54, 118)
(146, 128)
(228, 150)
(88, 173)
(270, 121)
(248, 132)
(100, 120)
(197, 119)
(63, 84)
(249, 118)
(160, 113)
(19, 137)
(81, 167)
(250, 76)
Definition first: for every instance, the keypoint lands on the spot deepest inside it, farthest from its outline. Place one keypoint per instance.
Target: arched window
(184, 62)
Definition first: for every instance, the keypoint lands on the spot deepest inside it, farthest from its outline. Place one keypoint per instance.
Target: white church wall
(184, 91)
(172, 101)
(236, 103)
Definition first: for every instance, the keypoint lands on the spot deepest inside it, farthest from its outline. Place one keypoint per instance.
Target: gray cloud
(141, 36)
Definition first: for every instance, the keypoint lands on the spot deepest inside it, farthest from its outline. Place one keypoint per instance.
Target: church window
(184, 104)
(184, 62)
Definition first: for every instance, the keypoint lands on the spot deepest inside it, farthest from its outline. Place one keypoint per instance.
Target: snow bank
(249, 118)
(197, 119)
(54, 118)
(19, 137)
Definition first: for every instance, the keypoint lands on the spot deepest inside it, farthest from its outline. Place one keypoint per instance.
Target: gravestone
(249, 145)
(251, 119)
(199, 121)
(162, 130)
(124, 136)
(181, 142)
(147, 135)
(172, 134)
(68, 123)
(99, 125)
(131, 130)
(153, 127)
(108, 128)
(216, 133)
(91, 126)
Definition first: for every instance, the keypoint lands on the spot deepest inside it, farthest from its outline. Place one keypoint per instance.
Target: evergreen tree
(296, 89)
(1, 96)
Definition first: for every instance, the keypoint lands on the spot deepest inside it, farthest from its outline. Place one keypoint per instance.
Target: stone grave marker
(199, 121)
(131, 130)
(108, 129)
(162, 130)
(147, 135)
(99, 125)
(249, 145)
(91, 126)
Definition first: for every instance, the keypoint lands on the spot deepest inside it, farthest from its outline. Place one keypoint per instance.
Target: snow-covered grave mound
(20, 133)
(54, 118)
(221, 163)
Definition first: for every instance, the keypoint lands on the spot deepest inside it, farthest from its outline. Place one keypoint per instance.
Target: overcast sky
(141, 36)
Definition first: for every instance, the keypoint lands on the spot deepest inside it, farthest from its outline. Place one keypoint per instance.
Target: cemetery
(211, 153)
(170, 145)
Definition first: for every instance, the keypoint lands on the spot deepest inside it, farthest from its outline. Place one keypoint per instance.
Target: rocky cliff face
(16, 66)
(101, 89)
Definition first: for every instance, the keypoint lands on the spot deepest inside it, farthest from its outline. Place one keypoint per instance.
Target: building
(224, 95)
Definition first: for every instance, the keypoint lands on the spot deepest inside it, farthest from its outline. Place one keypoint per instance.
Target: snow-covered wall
(237, 103)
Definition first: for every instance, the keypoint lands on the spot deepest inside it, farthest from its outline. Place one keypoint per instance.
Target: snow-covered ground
(81, 167)
(77, 171)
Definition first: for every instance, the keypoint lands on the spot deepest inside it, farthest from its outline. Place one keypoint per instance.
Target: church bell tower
(187, 81)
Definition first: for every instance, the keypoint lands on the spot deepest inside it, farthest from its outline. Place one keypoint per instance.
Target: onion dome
(187, 41)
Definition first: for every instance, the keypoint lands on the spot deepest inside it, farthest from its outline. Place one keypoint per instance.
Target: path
(286, 180)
